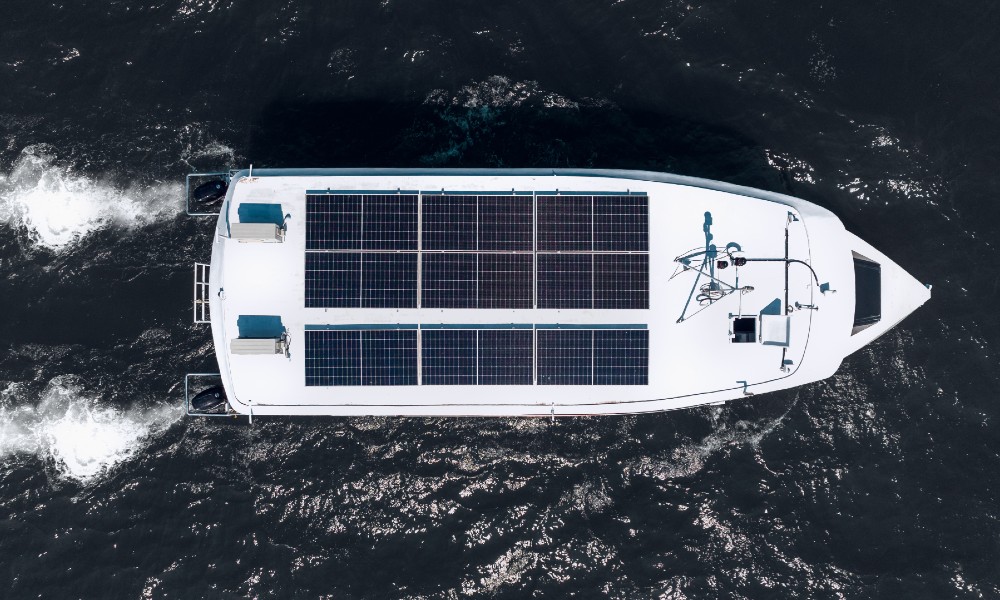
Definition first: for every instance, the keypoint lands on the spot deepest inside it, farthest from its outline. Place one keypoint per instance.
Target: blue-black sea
(882, 481)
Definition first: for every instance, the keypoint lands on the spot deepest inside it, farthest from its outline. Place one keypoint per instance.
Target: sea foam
(81, 437)
(58, 206)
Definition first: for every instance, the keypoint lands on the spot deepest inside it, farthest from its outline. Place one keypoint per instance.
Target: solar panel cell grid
(621, 223)
(389, 357)
(621, 357)
(565, 281)
(448, 357)
(333, 222)
(565, 357)
(582, 225)
(565, 223)
(506, 223)
(333, 279)
(388, 280)
(333, 358)
(449, 281)
(505, 357)
(506, 280)
(449, 222)
(477, 356)
(389, 222)
(621, 281)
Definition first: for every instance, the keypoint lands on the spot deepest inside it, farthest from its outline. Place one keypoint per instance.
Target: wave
(73, 431)
(58, 206)
(690, 458)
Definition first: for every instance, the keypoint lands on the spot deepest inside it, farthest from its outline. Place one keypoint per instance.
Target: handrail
(202, 310)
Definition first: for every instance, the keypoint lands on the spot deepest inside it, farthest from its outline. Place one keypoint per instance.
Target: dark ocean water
(881, 482)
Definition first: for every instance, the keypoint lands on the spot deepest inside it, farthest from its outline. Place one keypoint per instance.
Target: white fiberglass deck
(690, 362)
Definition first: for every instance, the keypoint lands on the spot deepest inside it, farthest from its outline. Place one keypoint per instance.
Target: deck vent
(257, 346)
(256, 232)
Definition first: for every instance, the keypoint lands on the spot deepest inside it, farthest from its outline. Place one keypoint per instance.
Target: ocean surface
(881, 482)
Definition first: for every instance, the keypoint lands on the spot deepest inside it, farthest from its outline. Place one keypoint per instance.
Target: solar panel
(448, 356)
(505, 356)
(449, 280)
(621, 281)
(449, 222)
(565, 281)
(506, 280)
(565, 356)
(389, 222)
(621, 223)
(372, 356)
(621, 357)
(388, 280)
(333, 222)
(333, 358)
(389, 357)
(333, 279)
(565, 223)
(506, 223)
(579, 227)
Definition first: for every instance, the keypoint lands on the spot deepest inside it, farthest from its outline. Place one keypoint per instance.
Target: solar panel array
(361, 250)
(503, 250)
(476, 355)
(361, 357)
(593, 357)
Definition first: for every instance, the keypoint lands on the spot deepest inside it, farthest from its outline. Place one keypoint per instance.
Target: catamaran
(523, 292)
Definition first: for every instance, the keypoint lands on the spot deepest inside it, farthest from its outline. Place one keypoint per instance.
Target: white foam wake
(82, 438)
(58, 206)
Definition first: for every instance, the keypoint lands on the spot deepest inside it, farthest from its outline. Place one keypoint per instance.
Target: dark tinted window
(868, 293)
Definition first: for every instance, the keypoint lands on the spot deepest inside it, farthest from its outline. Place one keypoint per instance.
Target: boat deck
(689, 362)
